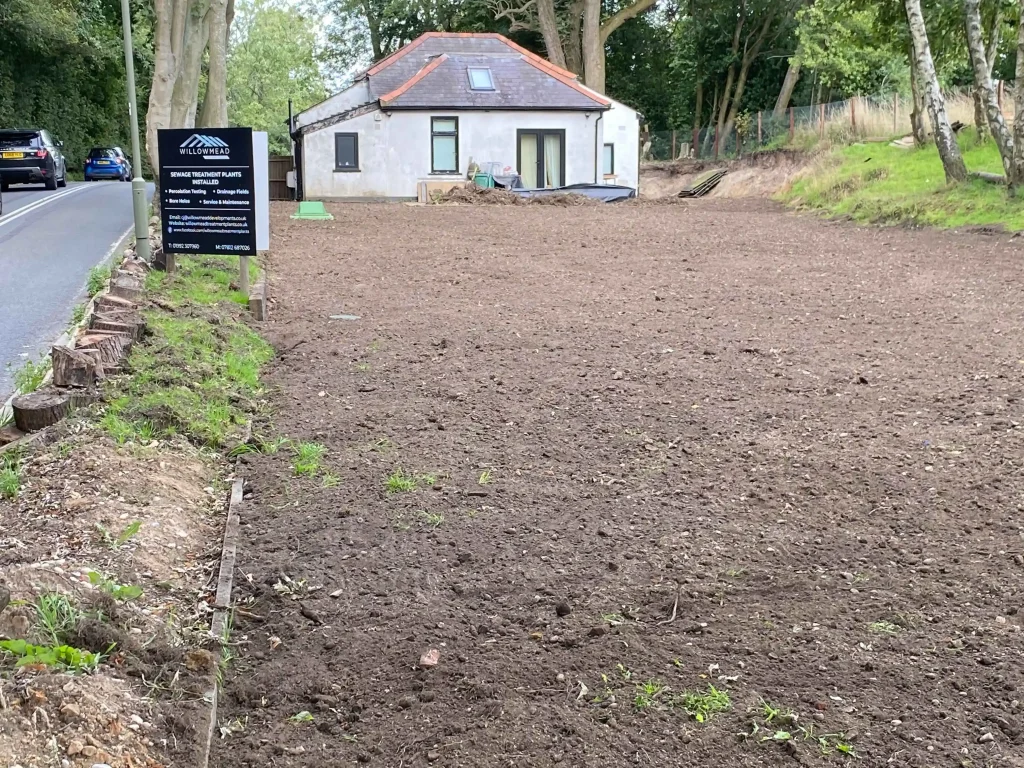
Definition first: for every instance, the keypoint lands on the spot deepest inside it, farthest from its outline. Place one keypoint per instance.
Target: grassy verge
(198, 373)
(882, 184)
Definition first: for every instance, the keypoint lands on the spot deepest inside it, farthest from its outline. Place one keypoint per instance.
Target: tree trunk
(169, 22)
(788, 86)
(945, 139)
(980, 121)
(917, 111)
(994, 35)
(698, 108)
(984, 92)
(186, 86)
(730, 76)
(215, 103)
(709, 136)
(1016, 176)
(593, 49)
(548, 20)
(574, 38)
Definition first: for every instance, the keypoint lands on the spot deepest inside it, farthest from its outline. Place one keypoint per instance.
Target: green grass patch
(98, 277)
(30, 376)
(308, 459)
(399, 482)
(204, 280)
(198, 374)
(56, 616)
(10, 474)
(702, 706)
(883, 184)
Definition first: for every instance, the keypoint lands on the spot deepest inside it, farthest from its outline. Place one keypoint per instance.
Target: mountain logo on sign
(207, 147)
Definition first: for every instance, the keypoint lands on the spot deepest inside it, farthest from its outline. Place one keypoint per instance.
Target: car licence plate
(102, 162)
(13, 155)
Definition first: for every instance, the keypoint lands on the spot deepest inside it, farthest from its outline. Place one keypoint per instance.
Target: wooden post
(853, 114)
(696, 142)
(792, 126)
(999, 95)
(895, 112)
(759, 129)
(716, 143)
(673, 145)
(821, 120)
(243, 275)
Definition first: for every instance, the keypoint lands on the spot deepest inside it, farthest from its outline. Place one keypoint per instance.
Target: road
(48, 243)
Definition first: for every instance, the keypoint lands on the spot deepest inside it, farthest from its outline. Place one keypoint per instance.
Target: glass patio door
(542, 158)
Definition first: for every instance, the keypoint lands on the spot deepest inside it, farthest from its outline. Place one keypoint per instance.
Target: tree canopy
(62, 69)
(273, 58)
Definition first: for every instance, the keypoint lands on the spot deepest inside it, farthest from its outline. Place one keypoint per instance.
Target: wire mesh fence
(838, 122)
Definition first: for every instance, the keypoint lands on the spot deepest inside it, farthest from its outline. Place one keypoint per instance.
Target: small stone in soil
(427, 696)
(432, 756)
(406, 702)
(985, 738)
(563, 608)
(430, 658)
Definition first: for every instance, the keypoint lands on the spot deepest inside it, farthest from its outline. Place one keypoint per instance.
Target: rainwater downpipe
(597, 145)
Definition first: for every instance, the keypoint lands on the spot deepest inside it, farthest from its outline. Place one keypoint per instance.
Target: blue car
(107, 163)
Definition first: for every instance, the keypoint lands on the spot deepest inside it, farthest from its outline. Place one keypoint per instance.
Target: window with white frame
(480, 79)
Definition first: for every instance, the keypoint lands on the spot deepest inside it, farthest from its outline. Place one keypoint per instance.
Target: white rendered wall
(394, 149)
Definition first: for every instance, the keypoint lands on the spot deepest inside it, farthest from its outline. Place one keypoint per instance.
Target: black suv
(31, 157)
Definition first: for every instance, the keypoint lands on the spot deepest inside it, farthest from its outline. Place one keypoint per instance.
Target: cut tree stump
(83, 397)
(108, 303)
(112, 348)
(128, 323)
(126, 286)
(74, 368)
(40, 409)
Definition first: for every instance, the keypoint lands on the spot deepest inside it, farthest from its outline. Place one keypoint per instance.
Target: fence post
(895, 111)
(999, 95)
(821, 121)
(853, 114)
(759, 128)
(792, 126)
(673, 145)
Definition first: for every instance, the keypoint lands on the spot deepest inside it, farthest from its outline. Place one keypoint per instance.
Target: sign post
(207, 192)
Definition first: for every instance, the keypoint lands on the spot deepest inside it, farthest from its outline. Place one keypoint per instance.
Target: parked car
(31, 156)
(107, 163)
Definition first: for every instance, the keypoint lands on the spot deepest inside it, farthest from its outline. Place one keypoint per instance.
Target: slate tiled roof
(431, 72)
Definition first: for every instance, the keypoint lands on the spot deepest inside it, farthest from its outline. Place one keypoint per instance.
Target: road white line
(39, 204)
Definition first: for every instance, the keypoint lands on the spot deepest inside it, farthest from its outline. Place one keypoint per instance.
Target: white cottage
(447, 100)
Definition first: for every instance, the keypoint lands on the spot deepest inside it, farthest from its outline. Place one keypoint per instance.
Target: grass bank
(198, 374)
(883, 184)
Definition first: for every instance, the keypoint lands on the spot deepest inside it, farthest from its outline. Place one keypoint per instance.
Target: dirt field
(653, 449)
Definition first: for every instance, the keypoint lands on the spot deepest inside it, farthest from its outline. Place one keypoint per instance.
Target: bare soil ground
(652, 449)
(90, 518)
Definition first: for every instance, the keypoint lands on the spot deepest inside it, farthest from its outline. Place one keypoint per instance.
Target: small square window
(480, 79)
(346, 152)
